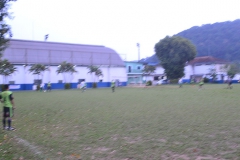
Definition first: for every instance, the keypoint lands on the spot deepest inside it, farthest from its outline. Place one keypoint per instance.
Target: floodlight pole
(138, 45)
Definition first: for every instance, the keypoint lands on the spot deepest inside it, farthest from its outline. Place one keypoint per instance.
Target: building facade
(134, 72)
(23, 54)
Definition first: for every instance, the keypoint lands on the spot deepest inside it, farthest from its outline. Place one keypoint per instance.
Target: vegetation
(148, 70)
(232, 69)
(149, 83)
(6, 69)
(67, 69)
(67, 86)
(173, 53)
(95, 70)
(213, 74)
(161, 122)
(38, 69)
(220, 40)
(94, 85)
(5, 29)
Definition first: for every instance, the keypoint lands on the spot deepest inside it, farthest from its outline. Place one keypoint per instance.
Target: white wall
(159, 70)
(188, 71)
(23, 76)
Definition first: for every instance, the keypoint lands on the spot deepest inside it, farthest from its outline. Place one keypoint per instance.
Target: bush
(94, 85)
(205, 80)
(149, 83)
(67, 86)
(2, 87)
(174, 81)
(38, 88)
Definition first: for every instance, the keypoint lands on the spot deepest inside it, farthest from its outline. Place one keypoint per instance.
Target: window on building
(11, 82)
(100, 80)
(156, 78)
(138, 67)
(37, 81)
(60, 81)
(129, 69)
(80, 80)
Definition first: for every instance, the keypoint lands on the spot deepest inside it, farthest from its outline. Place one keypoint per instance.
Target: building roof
(53, 53)
(153, 60)
(206, 59)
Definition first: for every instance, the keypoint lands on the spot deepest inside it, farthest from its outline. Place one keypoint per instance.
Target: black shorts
(7, 112)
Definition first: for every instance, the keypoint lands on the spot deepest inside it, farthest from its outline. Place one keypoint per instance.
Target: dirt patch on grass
(132, 140)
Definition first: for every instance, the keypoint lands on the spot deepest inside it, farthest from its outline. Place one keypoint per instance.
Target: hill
(220, 40)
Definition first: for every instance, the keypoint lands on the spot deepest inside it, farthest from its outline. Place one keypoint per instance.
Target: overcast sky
(117, 24)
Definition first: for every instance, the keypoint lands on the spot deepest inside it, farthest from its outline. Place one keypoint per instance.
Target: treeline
(220, 40)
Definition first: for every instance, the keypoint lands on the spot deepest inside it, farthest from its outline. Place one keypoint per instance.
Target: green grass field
(156, 123)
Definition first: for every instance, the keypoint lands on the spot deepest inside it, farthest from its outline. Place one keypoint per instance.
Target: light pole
(138, 45)
(46, 37)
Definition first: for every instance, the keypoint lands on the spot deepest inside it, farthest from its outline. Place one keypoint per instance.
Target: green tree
(66, 69)
(232, 69)
(6, 69)
(213, 74)
(174, 52)
(5, 30)
(38, 69)
(148, 70)
(95, 70)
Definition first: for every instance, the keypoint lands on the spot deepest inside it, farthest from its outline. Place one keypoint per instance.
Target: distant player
(201, 83)
(6, 98)
(41, 87)
(49, 86)
(83, 86)
(113, 86)
(180, 82)
(229, 83)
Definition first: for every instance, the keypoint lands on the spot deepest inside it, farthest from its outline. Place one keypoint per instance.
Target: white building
(201, 67)
(196, 69)
(24, 53)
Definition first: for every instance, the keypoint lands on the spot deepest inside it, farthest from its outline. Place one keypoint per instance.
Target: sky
(117, 24)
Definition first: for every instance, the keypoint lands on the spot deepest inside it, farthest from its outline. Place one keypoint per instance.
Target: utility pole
(138, 45)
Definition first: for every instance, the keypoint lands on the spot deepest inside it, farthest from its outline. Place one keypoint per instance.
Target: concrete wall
(26, 79)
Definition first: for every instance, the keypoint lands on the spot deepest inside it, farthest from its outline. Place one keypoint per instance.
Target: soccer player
(6, 98)
(49, 86)
(41, 87)
(83, 86)
(113, 86)
(229, 83)
(201, 83)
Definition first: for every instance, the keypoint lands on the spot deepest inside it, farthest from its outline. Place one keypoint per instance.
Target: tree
(232, 69)
(213, 74)
(66, 69)
(147, 70)
(6, 69)
(174, 52)
(38, 69)
(96, 70)
(5, 30)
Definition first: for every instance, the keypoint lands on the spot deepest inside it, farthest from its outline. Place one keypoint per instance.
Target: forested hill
(221, 40)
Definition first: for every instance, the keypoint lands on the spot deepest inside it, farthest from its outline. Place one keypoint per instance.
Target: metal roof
(206, 60)
(53, 53)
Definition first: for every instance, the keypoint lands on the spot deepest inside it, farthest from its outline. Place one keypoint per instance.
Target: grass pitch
(163, 122)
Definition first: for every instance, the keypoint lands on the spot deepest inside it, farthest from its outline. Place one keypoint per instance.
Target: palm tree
(6, 69)
(66, 68)
(38, 69)
(148, 70)
(96, 70)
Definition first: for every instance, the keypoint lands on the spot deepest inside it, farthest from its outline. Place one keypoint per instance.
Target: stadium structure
(25, 53)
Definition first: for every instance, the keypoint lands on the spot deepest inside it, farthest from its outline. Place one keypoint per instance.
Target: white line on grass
(34, 149)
